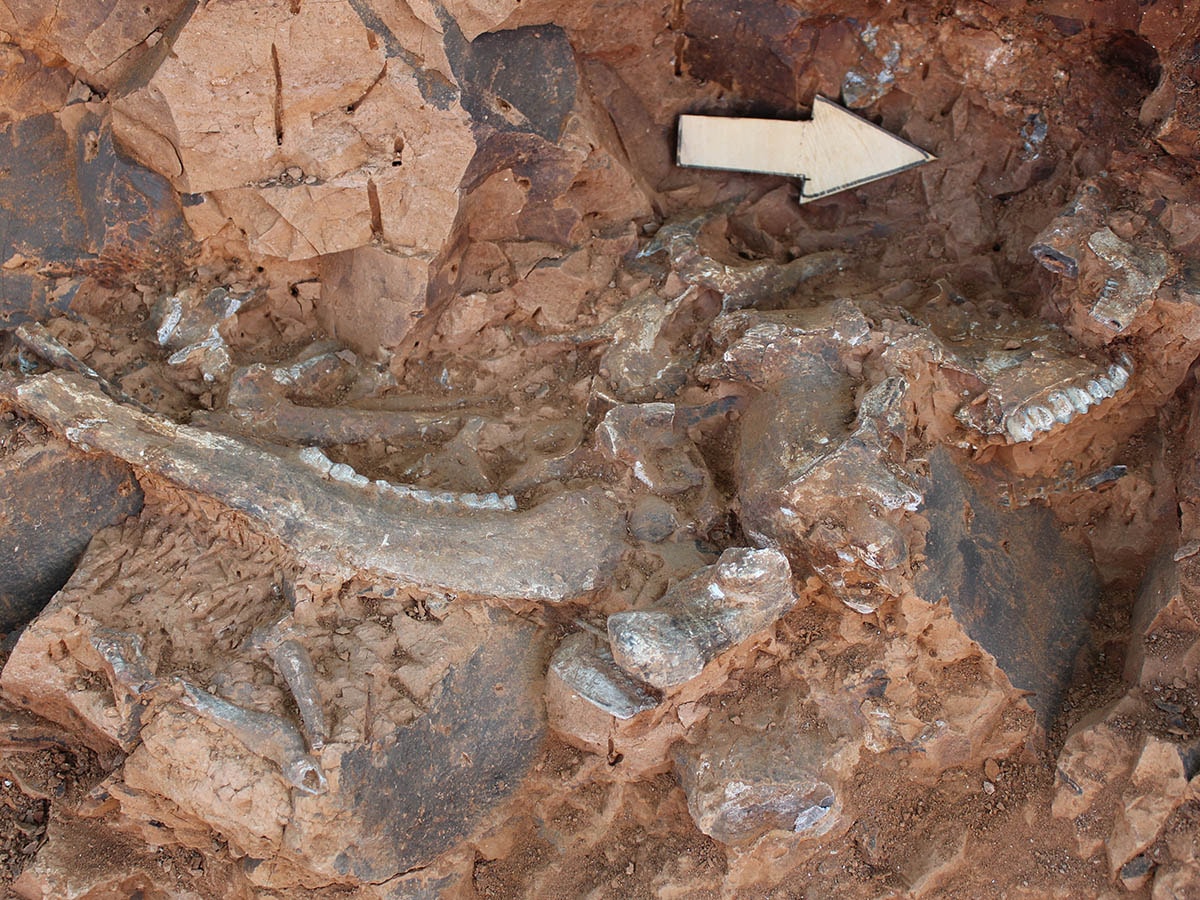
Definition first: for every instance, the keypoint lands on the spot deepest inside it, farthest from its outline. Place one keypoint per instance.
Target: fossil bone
(565, 547)
(281, 640)
(129, 673)
(263, 734)
(739, 284)
(702, 616)
(1137, 274)
(586, 666)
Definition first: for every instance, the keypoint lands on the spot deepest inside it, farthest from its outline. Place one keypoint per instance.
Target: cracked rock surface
(415, 485)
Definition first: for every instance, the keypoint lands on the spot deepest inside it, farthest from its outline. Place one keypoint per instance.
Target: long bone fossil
(563, 548)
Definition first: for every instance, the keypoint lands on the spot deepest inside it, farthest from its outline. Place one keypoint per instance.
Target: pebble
(991, 769)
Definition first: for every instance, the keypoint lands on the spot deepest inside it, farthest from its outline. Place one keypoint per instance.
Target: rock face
(437, 492)
(398, 781)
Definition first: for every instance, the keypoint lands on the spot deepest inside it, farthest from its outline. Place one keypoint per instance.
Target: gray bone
(564, 548)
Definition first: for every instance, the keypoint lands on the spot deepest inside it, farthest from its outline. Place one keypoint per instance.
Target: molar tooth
(1061, 406)
(1080, 399)
(1097, 391)
(1119, 376)
(1018, 427)
(1042, 418)
(1106, 383)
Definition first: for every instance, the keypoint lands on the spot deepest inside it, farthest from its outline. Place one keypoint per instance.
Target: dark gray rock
(1018, 587)
(521, 80)
(73, 206)
(52, 502)
(418, 792)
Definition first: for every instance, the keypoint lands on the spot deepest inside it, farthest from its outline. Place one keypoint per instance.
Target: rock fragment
(1157, 787)
(716, 608)
(54, 499)
(775, 766)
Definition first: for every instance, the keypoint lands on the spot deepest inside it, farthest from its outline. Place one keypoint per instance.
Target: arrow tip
(845, 151)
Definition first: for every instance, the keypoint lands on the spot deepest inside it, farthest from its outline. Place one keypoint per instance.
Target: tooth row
(314, 457)
(1064, 404)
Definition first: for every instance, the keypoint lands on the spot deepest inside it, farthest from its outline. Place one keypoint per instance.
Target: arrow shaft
(769, 146)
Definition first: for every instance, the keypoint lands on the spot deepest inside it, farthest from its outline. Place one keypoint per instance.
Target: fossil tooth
(1019, 427)
(1106, 384)
(1042, 418)
(1097, 391)
(1119, 376)
(1061, 406)
(1080, 399)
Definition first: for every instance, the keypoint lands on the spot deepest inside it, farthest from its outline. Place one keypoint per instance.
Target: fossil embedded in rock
(739, 283)
(1059, 245)
(563, 548)
(586, 666)
(1137, 273)
(1026, 377)
(267, 735)
(282, 642)
(702, 616)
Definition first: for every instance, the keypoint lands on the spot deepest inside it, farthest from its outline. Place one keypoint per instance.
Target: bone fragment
(282, 642)
(704, 615)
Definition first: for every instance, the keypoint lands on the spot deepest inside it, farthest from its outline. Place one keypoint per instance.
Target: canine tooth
(1080, 399)
(1042, 418)
(1119, 376)
(1019, 427)
(1097, 391)
(1061, 406)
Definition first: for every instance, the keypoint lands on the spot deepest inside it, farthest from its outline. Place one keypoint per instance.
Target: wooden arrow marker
(834, 151)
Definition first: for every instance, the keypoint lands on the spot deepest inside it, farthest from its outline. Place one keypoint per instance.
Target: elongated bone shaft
(263, 734)
(561, 549)
(295, 667)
